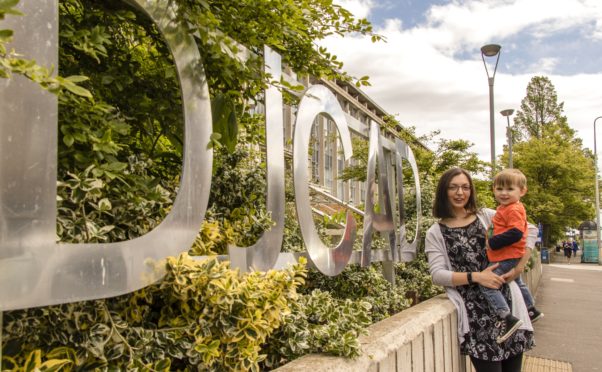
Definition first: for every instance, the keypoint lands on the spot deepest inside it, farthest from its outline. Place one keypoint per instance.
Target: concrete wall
(533, 276)
(423, 338)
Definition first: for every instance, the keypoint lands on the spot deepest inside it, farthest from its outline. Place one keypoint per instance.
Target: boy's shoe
(510, 324)
(535, 314)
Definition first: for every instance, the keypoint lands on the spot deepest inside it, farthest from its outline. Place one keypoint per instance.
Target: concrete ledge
(416, 339)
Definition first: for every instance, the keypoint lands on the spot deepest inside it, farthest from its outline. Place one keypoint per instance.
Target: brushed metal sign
(35, 270)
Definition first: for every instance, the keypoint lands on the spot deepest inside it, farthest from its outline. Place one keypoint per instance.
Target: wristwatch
(469, 277)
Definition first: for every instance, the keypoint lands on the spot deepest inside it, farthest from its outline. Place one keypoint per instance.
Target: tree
(559, 182)
(558, 169)
(538, 109)
(449, 154)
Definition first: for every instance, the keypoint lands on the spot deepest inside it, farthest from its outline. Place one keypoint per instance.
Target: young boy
(506, 245)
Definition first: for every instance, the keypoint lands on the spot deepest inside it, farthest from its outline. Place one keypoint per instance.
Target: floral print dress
(466, 250)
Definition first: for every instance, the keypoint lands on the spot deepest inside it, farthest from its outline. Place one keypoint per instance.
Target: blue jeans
(494, 296)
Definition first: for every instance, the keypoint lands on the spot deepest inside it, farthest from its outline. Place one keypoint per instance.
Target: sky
(429, 72)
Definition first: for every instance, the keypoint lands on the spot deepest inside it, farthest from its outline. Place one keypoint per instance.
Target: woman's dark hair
(442, 208)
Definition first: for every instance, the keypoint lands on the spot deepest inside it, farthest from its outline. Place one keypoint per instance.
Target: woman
(455, 247)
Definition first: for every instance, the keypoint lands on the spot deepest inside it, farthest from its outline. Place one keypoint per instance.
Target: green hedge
(202, 315)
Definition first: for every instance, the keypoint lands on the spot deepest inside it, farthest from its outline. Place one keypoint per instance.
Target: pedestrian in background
(575, 248)
(568, 250)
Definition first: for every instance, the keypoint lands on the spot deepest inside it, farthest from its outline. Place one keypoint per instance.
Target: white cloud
(543, 66)
(470, 22)
(417, 75)
(359, 8)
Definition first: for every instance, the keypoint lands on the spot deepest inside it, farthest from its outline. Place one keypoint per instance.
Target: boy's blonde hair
(509, 177)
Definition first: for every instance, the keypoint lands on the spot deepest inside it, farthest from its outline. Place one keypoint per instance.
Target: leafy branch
(12, 62)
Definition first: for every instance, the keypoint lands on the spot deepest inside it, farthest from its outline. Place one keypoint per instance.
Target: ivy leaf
(214, 141)
(6, 7)
(76, 89)
(62, 353)
(224, 121)
(54, 365)
(104, 205)
(68, 140)
(163, 365)
(76, 78)
(5, 35)
(106, 229)
(34, 359)
(115, 352)
(117, 166)
(107, 79)
(7, 4)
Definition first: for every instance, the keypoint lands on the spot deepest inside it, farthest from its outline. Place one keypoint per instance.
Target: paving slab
(570, 295)
(534, 364)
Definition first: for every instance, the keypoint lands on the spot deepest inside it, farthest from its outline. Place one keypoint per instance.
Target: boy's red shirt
(507, 217)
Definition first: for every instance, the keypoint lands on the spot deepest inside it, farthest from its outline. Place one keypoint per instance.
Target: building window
(329, 155)
(289, 113)
(315, 152)
(340, 166)
(351, 111)
(353, 198)
(362, 191)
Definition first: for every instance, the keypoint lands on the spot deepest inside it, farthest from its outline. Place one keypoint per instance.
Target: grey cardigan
(441, 271)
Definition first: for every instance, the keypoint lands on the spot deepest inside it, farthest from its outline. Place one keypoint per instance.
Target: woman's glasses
(455, 188)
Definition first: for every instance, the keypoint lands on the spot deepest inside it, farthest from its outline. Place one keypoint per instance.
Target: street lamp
(597, 195)
(507, 114)
(490, 51)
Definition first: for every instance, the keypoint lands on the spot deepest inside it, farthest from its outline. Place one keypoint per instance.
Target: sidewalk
(570, 295)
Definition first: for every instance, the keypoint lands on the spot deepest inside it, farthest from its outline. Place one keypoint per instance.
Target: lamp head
(490, 50)
(507, 112)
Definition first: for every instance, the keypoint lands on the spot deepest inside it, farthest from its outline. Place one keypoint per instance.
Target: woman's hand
(487, 278)
(513, 274)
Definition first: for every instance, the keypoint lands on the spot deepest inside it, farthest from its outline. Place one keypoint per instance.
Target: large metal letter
(319, 100)
(372, 220)
(36, 271)
(403, 151)
(264, 253)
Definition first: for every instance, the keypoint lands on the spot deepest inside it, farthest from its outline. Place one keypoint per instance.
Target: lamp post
(507, 114)
(597, 195)
(490, 51)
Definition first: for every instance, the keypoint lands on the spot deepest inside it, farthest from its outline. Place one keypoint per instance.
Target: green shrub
(237, 213)
(33, 362)
(533, 258)
(319, 323)
(202, 315)
(365, 284)
(418, 282)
